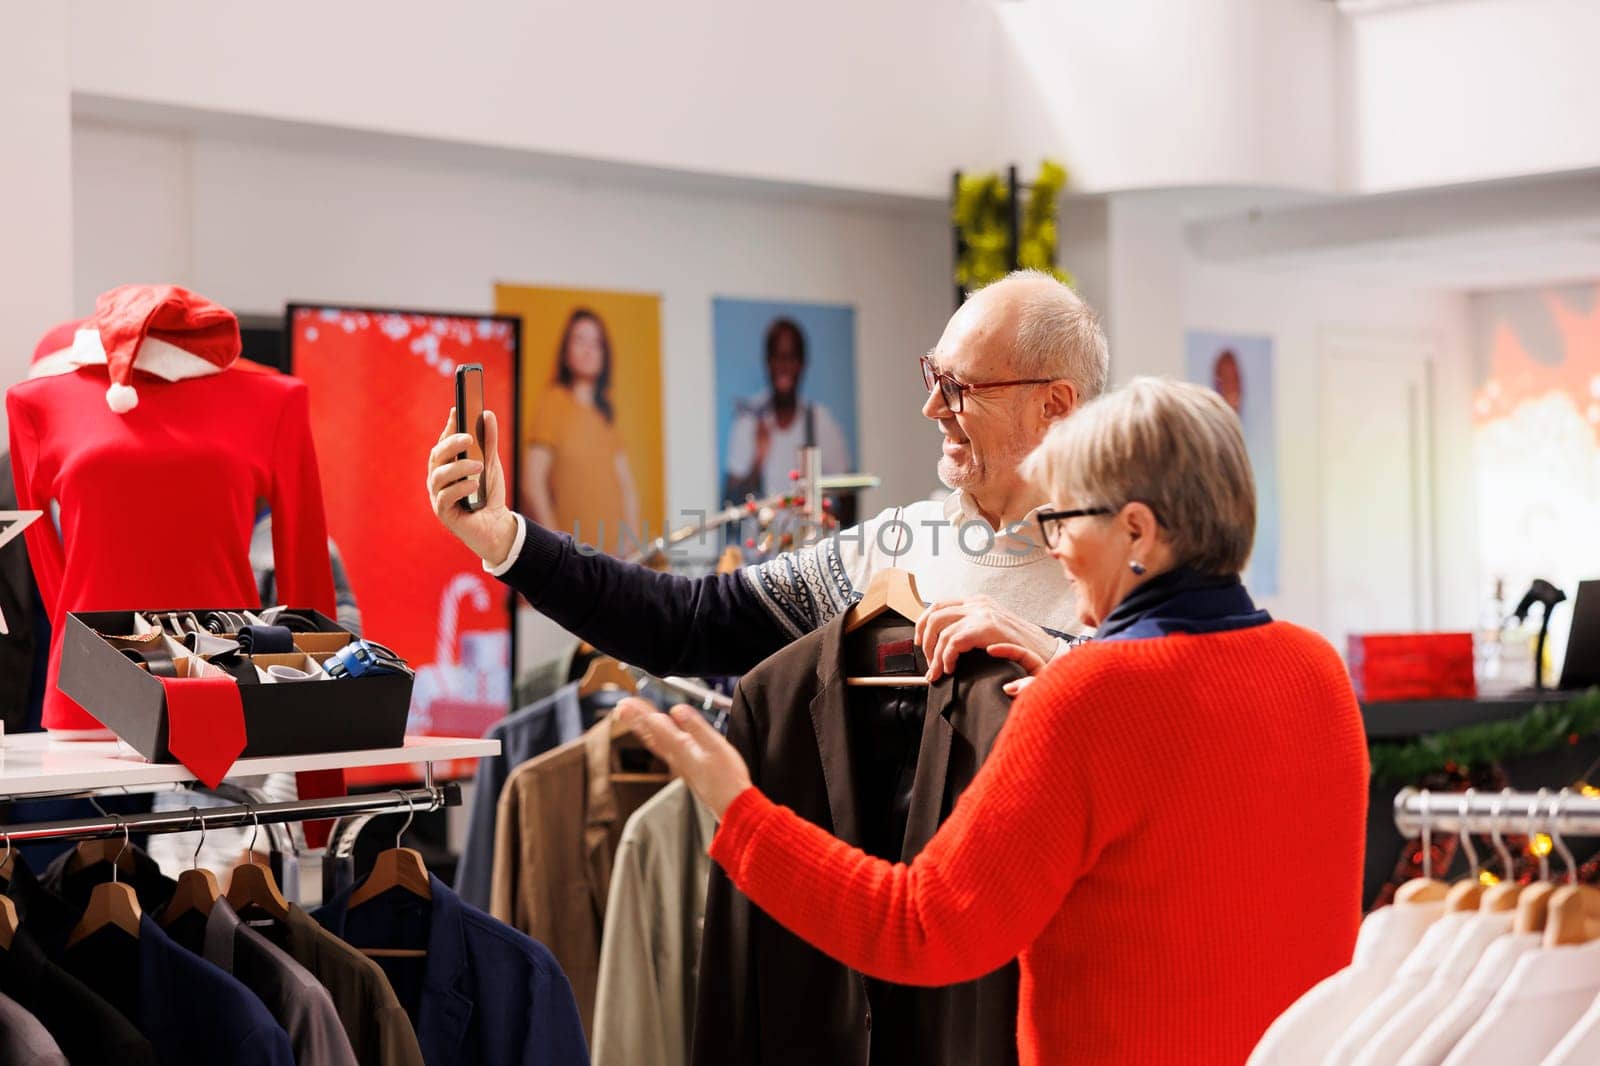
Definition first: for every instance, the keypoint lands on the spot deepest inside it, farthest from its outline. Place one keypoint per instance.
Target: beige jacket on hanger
(557, 829)
(649, 957)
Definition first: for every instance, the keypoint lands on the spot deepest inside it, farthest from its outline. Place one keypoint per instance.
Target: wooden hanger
(8, 922)
(197, 887)
(111, 905)
(1574, 916)
(1533, 906)
(1501, 897)
(605, 674)
(891, 589)
(396, 867)
(8, 910)
(252, 885)
(1466, 894)
(88, 853)
(1427, 888)
(621, 733)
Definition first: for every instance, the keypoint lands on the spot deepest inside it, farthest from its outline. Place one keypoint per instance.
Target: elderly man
(1019, 355)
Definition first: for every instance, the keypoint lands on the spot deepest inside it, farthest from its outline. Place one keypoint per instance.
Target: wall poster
(786, 378)
(591, 442)
(382, 383)
(1239, 368)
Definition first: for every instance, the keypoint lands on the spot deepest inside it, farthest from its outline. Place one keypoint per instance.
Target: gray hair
(1176, 447)
(1059, 336)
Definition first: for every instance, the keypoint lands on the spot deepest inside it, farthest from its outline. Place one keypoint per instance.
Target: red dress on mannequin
(157, 504)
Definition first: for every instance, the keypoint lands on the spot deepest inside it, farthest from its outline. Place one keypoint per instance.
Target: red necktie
(205, 724)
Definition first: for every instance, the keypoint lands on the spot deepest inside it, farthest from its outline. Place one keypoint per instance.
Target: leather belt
(156, 660)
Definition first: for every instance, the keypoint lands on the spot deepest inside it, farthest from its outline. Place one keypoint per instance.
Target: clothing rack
(813, 486)
(1560, 812)
(244, 815)
(692, 691)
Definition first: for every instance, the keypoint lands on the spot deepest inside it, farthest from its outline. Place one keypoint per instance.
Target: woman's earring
(1137, 567)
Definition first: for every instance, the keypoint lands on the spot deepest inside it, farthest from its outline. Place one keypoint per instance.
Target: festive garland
(981, 212)
(1544, 728)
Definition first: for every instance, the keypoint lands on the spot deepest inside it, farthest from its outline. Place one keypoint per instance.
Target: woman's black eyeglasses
(1050, 521)
(954, 391)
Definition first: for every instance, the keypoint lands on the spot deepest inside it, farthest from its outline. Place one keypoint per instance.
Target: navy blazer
(484, 995)
(194, 1013)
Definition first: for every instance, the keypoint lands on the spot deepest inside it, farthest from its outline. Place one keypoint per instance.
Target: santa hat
(161, 329)
(53, 354)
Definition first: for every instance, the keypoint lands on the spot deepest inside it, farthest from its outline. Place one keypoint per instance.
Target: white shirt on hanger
(1463, 1012)
(1319, 1017)
(1408, 981)
(1547, 993)
(1581, 1046)
(1400, 1032)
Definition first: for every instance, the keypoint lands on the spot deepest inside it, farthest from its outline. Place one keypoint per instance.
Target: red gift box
(1412, 666)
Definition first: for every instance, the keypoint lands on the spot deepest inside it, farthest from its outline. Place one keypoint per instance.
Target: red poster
(381, 385)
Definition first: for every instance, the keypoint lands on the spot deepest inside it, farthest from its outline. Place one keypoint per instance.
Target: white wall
(1453, 92)
(255, 225)
(1158, 289)
(1152, 93)
(35, 186)
(887, 95)
(1306, 317)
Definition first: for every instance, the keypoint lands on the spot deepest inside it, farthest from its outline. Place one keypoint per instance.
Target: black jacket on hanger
(88, 1030)
(153, 887)
(48, 918)
(874, 766)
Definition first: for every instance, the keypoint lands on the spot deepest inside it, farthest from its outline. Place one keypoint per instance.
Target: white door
(1377, 487)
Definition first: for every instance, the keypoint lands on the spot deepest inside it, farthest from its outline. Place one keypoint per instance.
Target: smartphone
(469, 419)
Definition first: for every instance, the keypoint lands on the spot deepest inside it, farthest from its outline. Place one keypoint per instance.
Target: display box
(346, 714)
(1412, 666)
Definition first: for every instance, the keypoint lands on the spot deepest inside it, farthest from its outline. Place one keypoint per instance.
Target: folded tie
(205, 725)
(266, 640)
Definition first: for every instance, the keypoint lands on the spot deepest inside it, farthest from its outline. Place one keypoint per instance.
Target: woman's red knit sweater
(1168, 832)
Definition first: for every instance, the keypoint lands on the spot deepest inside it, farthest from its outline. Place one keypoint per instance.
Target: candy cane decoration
(461, 587)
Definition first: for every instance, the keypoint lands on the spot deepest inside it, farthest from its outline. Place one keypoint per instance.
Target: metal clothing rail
(691, 691)
(244, 815)
(1561, 812)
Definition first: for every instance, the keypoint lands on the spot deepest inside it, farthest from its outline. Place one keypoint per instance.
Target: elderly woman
(1169, 829)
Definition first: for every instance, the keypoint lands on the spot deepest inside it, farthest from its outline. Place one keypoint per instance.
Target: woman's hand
(491, 530)
(949, 628)
(685, 741)
(1027, 658)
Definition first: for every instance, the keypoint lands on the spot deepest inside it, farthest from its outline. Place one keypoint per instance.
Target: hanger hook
(1556, 838)
(1497, 835)
(1466, 837)
(127, 842)
(194, 862)
(411, 814)
(255, 821)
(6, 859)
(1534, 809)
(1427, 837)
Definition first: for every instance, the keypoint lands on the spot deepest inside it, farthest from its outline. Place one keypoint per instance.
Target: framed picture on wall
(591, 445)
(382, 382)
(786, 379)
(1239, 367)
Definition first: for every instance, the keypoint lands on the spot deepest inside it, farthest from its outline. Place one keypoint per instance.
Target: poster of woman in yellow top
(590, 426)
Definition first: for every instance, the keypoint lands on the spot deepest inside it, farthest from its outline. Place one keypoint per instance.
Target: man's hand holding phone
(491, 530)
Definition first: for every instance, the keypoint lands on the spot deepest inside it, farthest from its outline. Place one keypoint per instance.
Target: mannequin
(157, 449)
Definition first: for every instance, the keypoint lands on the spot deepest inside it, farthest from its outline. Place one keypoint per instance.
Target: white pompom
(121, 398)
